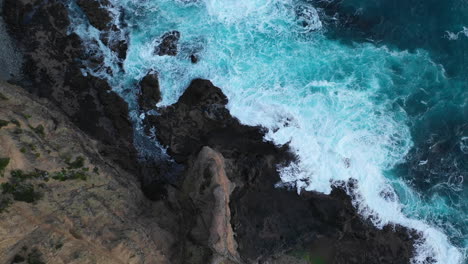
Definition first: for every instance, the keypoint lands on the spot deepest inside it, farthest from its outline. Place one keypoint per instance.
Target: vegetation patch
(3, 123)
(76, 164)
(35, 257)
(18, 259)
(21, 185)
(3, 164)
(65, 175)
(18, 131)
(308, 257)
(16, 122)
(5, 202)
(38, 130)
(3, 97)
(23, 192)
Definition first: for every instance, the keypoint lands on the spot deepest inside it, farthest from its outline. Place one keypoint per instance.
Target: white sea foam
(335, 104)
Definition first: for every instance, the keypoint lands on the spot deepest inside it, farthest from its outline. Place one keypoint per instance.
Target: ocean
(375, 91)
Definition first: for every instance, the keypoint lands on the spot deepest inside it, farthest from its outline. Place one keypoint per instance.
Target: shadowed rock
(54, 60)
(271, 221)
(150, 94)
(168, 45)
(97, 13)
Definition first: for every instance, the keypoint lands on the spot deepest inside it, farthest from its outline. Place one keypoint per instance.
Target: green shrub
(64, 175)
(21, 192)
(16, 122)
(3, 97)
(3, 123)
(5, 202)
(38, 130)
(35, 257)
(3, 164)
(21, 176)
(18, 259)
(78, 163)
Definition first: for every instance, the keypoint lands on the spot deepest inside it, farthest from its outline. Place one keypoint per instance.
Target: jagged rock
(168, 44)
(269, 221)
(96, 11)
(194, 58)
(53, 69)
(150, 93)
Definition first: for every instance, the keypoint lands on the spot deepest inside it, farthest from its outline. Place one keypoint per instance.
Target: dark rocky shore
(224, 207)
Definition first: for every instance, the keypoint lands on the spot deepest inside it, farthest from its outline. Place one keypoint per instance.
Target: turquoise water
(389, 114)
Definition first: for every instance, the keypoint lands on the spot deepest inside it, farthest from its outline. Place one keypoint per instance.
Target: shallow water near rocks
(380, 111)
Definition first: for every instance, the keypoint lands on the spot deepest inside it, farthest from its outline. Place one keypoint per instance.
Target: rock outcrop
(268, 221)
(208, 186)
(168, 44)
(61, 201)
(150, 94)
(70, 197)
(53, 68)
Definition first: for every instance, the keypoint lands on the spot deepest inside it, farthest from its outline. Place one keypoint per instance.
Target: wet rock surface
(53, 66)
(223, 209)
(96, 11)
(168, 44)
(150, 94)
(271, 221)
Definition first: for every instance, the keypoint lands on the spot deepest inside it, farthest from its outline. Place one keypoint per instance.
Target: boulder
(168, 44)
(150, 93)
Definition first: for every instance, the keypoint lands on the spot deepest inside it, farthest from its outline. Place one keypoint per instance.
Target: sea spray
(338, 106)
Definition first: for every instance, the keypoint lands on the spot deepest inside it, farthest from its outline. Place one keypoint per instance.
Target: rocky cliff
(72, 182)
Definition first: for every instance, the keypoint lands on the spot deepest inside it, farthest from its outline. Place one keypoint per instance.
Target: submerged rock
(150, 93)
(168, 44)
(194, 58)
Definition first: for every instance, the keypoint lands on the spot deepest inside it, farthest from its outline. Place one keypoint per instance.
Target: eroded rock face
(268, 221)
(96, 11)
(88, 209)
(209, 188)
(168, 44)
(53, 69)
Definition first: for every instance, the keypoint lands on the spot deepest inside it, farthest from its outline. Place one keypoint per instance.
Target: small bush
(5, 202)
(16, 122)
(35, 257)
(64, 175)
(3, 123)
(78, 163)
(3, 164)
(21, 176)
(3, 97)
(38, 130)
(18, 259)
(21, 192)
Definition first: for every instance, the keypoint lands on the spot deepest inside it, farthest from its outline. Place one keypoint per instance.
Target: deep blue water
(371, 90)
